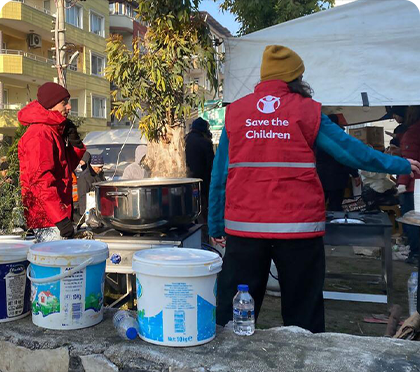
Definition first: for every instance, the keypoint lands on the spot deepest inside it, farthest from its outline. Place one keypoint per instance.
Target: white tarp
(370, 46)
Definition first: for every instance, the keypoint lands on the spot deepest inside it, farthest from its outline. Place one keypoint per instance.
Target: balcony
(21, 62)
(120, 23)
(31, 13)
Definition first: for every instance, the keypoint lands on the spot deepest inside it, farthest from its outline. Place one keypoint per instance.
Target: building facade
(27, 59)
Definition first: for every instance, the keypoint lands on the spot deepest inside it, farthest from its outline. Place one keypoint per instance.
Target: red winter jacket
(46, 165)
(410, 149)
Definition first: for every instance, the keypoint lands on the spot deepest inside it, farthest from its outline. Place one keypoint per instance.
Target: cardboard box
(373, 136)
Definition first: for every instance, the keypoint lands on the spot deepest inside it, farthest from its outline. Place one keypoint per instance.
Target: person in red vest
(49, 152)
(266, 200)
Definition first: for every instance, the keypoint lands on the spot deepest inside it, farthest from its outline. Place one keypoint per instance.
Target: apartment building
(123, 21)
(26, 59)
(198, 75)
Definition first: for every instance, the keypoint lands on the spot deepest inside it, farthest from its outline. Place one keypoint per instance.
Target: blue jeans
(412, 232)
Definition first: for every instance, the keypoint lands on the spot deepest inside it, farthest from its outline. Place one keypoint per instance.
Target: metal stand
(376, 232)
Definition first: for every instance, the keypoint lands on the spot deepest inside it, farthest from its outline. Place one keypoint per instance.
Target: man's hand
(70, 132)
(415, 167)
(66, 228)
(219, 241)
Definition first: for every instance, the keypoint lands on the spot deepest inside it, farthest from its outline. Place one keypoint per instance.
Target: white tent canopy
(366, 46)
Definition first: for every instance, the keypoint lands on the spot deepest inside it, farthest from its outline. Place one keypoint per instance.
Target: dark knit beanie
(201, 125)
(49, 94)
(399, 110)
(97, 161)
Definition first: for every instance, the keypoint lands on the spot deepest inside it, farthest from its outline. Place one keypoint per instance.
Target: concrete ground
(27, 348)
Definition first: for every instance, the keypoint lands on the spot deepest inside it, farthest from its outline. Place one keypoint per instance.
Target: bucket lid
(176, 262)
(10, 237)
(67, 252)
(13, 250)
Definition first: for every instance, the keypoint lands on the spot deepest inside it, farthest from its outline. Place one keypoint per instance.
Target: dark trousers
(335, 199)
(301, 268)
(412, 232)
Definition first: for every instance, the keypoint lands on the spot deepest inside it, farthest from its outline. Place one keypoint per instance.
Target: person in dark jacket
(92, 174)
(49, 152)
(334, 176)
(199, 156)
(410, 148)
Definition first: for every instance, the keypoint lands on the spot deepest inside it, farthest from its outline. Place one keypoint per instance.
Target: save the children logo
(268, 104)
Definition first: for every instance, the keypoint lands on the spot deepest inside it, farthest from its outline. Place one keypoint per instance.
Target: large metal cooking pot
(148, 204)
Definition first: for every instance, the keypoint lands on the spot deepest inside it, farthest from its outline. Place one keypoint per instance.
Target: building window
(111, 8)
(98, 107)
(74, 102)
(73, 64)
(98, 65)
(74, 14)
(97, 24)
(6, 97)
(47, 6)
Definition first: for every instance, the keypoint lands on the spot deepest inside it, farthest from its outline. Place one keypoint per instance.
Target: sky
(226, 19)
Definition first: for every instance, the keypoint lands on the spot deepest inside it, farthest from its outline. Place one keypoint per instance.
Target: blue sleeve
(217, 194)
(351, 152)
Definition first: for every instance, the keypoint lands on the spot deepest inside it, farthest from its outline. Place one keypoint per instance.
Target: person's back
(136, 171)
(272, 164)
(199, 153)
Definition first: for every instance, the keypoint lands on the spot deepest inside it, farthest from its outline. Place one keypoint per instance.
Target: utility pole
(60, 42)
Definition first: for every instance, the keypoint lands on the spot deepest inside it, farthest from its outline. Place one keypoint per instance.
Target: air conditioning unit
(34, 41)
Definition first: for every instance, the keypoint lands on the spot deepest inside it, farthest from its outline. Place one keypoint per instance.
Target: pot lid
(67, 252)
(158, 181)
(14, 250)
(178, 262)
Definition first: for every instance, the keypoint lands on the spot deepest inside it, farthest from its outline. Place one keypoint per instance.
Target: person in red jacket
(410, 148)
(48, 153)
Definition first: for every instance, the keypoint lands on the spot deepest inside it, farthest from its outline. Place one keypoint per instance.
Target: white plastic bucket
(68, 278)
(176, 295)
(15, 289)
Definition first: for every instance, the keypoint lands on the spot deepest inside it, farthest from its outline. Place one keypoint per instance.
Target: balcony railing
(37, 7)
(9, 106)
(27, 55)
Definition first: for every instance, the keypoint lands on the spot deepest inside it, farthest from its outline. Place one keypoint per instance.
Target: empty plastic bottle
(126, 325)
(243, 312)
(412, 292)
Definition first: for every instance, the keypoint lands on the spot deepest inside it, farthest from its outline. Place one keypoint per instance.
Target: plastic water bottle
(412, 292)
(126, 325)
(243, 312)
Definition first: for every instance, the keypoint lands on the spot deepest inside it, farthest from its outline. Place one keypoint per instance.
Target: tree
(255, 15)
(149, 80)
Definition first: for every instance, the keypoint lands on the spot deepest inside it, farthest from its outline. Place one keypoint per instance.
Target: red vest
(273, 190)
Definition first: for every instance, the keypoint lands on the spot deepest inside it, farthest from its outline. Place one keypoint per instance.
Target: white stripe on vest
(271, 164)
(258, 227)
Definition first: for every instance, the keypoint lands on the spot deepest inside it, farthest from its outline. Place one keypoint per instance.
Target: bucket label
(72, 296)
(176, 313)
(14, 289)
(73, 302)
(180, 296)
(45, 298)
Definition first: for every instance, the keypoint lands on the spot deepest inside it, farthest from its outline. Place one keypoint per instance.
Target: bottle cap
(131, 333)
(243, 287)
